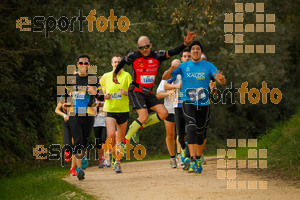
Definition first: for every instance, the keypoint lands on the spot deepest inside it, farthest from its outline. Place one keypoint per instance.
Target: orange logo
(141, 65)
(21, 22)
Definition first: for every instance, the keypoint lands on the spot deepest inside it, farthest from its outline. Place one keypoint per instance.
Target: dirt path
(156, 180)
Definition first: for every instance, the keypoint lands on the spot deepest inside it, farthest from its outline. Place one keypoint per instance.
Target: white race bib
(78, 95)
(116, 95)
(147, 78)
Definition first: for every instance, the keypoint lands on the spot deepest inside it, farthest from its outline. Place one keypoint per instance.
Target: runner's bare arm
(59, 112)
(161, 95)
(169, 86)
(174, 65)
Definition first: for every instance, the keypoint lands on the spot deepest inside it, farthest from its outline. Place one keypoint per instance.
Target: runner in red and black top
(144, 64)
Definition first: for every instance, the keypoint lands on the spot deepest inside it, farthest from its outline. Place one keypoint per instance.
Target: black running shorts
(171, 117)
(141, 100)
(81, 128)
(119, 117)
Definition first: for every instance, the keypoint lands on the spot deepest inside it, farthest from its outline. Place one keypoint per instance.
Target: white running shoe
(202, 160)
(179, 161)
(108, 161)
(117, 167)
(173, 163)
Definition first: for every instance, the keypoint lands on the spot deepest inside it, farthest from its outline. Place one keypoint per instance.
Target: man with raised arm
(145, 64)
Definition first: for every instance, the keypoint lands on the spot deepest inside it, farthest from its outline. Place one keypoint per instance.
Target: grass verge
(283, 145)
(44, 183)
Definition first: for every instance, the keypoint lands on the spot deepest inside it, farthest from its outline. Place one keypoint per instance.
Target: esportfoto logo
(56, 151)
(40, 23)
(202, 95)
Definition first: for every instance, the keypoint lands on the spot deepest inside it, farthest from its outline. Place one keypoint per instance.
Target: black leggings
(197, 119)
(100, 136)
(180, 126)
(67, 137)
(81, 128)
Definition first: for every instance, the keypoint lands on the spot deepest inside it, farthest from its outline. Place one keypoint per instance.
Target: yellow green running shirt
(118, 103)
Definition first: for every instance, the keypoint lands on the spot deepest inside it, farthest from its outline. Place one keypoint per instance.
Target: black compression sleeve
(100, 97)
(177, 50)
(120, 66)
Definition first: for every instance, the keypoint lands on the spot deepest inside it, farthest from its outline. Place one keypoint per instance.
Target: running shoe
(179, 161)
(117, 167)
(73, 172)
(199, 166)
(80, 174)
(67, 156)
(100, 163)
(136, 137)
(186, 164)
(108, 161)
(123, 145)
(193, 167)
(84, 163)
(105, 163)
(202, 160)
(183, 154)
(173, 163)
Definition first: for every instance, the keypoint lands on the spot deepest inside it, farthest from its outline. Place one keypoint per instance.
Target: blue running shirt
(195, 75)
(82, 101)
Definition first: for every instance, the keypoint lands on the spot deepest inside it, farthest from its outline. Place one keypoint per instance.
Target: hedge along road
(156, 180)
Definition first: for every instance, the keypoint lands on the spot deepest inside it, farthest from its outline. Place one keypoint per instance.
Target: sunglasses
(83, 63)
(144, 47)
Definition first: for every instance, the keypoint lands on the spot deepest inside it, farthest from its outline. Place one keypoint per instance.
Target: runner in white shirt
(100, 131)
(169, 121)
